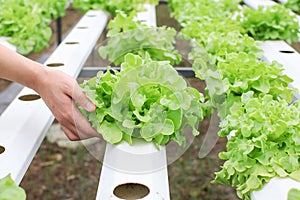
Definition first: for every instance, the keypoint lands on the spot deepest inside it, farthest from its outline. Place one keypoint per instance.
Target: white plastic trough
(278, 188)
(138, 171)
(24, 123)
(285, 55)
(254, 4)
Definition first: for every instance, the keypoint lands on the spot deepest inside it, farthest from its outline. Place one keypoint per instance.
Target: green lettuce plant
(27, 22)
(294, 5)
(112, 5)
(270, 23)
(294, 194)
(198, 11)
(147, 100)
(264, 143)
(129, 36)
(9, 190)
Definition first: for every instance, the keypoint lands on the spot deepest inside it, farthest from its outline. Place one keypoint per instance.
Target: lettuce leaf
(294, 194)
(147, 100)
(264, 143)
(270, 23)
(128, 36)
(9, 190)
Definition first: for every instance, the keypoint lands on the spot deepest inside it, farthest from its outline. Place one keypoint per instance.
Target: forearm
(17, 68)
(59, 91)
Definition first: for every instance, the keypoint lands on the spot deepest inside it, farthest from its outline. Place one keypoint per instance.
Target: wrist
(38, 78)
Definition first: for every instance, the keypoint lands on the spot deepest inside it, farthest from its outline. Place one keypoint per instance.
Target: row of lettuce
(147, 99)
(26, 22)
(252, 97)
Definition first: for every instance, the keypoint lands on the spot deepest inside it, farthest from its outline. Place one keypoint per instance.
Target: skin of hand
(59, 91)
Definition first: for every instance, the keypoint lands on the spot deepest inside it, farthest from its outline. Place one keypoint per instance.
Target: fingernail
(90, 106)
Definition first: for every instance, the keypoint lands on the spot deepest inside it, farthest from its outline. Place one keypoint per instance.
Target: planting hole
(82, 27)
(29, 97)
(2, 149)
(286, 51)
(72, 42)
(131, 191)
(55, 64)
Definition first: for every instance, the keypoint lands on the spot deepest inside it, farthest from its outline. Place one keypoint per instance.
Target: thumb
(82, 99)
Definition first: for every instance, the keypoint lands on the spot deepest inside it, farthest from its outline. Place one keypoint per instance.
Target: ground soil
(59, 173)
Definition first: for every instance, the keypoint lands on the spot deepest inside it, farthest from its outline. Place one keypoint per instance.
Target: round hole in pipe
(72, 43)
(29, 97)
(82, 27)
(286, 51)
(131, 191)
(55, 64)
(2, 149)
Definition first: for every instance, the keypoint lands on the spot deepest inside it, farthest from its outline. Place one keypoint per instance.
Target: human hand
(61, 93)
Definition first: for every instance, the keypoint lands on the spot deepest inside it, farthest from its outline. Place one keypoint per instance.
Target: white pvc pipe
(283, 53)
(276, 189)
(140, 163)
(254, 4)
(23, 124)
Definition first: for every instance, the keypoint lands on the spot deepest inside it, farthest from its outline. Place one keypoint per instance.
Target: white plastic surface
(140, 163)
(285, 55)
(276, 189)
(282, 1)
(254, 4)
(148, 16)
(23, 124)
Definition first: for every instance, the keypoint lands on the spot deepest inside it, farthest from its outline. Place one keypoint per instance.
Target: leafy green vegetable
(201, 31)
(200, 11)
(238, 73)
(270, 23)
(128, 36)
(9, 190)
(27, 22)
(51, 9)
(264, 143)
(251, 97)
(294, 194)
(112, 5)
(146, 100)
(294, 5)
(220, 44)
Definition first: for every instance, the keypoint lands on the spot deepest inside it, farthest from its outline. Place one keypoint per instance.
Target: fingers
(76, 127)
(82, 125)
(70, 134)
(82, 100)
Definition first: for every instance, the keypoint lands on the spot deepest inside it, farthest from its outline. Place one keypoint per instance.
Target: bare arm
(58, 90)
